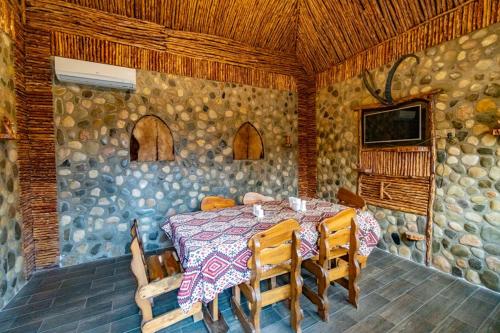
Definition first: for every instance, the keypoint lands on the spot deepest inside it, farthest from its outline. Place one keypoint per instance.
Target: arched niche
(151, 140)
(247, 144)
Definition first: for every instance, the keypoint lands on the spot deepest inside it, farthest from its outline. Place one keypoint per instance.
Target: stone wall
(467, 208)
(100, 191)
(11, 253)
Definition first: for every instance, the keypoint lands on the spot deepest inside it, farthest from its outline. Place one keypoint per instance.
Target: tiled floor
(397, 296)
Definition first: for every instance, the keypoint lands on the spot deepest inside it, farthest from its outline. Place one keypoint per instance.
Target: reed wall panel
(103, 51)
(60, 16)
(307, 137)
(406, 194)
(397, 163)
(41, 147)
(12, 19)
(453, 23)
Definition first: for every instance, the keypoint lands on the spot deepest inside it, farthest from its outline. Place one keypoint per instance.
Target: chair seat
(163, 265)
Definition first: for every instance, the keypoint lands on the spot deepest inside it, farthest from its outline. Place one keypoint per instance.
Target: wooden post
(432, 189)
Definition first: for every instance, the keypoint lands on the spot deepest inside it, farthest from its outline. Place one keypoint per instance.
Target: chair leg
(354, 270)
(198, 316)
(255, 309)
(296, 313)
(145, 307)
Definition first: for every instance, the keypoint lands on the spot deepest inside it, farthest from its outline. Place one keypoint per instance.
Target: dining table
(213, 245)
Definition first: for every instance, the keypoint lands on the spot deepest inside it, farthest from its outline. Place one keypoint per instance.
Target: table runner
(212, 246)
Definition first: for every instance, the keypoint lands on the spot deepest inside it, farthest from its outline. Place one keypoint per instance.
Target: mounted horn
(369, 85)
(387, 98)
(388, 83)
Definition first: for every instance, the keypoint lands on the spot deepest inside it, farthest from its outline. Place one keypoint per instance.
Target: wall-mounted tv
(396, 125)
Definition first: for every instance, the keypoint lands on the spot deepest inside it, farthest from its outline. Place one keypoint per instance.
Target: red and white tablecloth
(212, 246)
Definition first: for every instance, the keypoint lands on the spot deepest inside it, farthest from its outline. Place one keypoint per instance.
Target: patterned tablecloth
(212, 246)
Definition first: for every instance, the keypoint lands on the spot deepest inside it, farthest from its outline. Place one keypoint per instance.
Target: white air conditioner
(91, 73)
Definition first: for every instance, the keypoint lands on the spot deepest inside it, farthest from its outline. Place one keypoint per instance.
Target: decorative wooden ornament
(247, 144)
(151, 141)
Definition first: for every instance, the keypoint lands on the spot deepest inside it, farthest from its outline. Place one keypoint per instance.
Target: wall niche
(151, 140)
(248, 144)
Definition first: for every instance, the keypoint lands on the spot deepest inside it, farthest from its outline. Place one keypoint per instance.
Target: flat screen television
(396, 125)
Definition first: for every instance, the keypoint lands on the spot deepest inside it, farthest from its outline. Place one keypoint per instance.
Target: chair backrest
(335, 233)
(347, 198)
(134, 232)
(273, 246)
(213, 202)
(251, 198)
(138, 263)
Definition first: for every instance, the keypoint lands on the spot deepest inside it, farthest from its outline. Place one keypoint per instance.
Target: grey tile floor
(396, 296)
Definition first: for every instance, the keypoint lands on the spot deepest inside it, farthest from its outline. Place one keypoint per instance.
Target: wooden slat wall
(397, 163)
(408, 194)
(59, 28)
(463, 19)
(109, 52)
(41, 147)
(12, 23)
(307, 136)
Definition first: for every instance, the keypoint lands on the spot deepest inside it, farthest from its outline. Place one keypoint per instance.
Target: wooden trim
(399, 149)
(427, 95)
(432, 180)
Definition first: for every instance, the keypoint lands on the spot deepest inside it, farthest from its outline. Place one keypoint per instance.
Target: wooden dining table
(212, 245)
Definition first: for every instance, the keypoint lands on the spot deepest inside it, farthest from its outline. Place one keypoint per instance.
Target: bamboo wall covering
(443, 23)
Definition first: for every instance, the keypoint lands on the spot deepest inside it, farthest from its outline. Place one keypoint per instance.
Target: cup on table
(303, 206)
(258, 211)
(295, 203)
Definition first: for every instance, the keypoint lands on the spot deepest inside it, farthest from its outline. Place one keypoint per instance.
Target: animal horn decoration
(387, 98)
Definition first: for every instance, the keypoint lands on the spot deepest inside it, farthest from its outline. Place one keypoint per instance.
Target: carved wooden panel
(247, 144)
(400, 193)
(151, 141)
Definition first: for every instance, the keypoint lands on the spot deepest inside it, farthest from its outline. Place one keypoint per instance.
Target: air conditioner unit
(91, 73)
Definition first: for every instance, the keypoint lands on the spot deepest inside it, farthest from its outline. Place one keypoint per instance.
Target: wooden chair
(335, 262)
(213, 202)
(347, 198)
(146, 291)
(251, 198)
(157, 266)
(278, 246)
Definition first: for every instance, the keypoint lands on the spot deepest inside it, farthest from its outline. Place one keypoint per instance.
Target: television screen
(397, 125)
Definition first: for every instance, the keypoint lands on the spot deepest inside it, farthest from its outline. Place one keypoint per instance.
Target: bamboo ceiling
(321, 33)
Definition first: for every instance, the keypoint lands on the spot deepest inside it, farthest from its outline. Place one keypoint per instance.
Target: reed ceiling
(320, 33)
